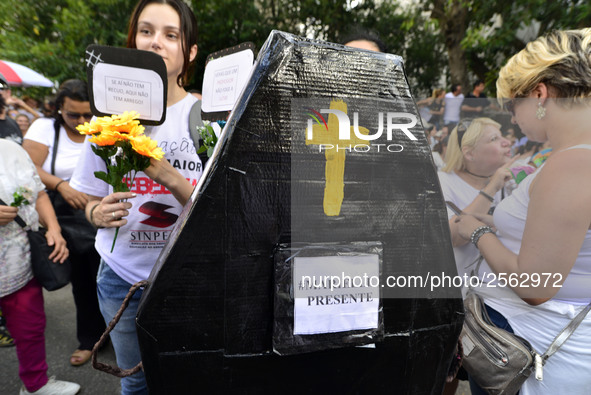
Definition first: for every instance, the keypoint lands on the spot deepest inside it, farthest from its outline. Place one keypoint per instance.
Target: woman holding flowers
(169, 29)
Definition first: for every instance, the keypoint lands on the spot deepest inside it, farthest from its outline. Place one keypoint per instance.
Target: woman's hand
(165, 174)
(110, 211)
(77, 200)
(466, 225)
(7, 214)
(161, 171)
(502, 175)
(54, 238)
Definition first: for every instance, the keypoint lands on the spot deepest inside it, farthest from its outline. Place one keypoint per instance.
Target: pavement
(60, 342)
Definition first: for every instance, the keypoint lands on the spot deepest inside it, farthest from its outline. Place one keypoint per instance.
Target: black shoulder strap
(56, 140)
(195, 121)
(18, 219)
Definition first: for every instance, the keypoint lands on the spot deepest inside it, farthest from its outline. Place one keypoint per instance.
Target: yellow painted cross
(334, 151)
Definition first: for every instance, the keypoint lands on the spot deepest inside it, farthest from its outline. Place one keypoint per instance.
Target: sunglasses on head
(509, 104)
(76, 115)
(463, 126)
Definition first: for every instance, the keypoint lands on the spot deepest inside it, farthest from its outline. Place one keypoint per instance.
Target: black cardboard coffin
(217, 316)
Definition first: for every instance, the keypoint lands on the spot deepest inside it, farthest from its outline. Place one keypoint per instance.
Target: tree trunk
(452, 16)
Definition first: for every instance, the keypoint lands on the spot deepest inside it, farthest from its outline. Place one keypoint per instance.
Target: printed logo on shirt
(145, 185)
(159, 218)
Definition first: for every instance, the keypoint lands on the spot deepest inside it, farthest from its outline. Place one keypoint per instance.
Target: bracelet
(478, 233)
(486, 195)
(90, 216)
(58, 184)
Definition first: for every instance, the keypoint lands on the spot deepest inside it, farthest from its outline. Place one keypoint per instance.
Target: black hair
(73, 89)
(529, 146)
(2, 104)
(476, 83)
(454, 87)
(365, 35)
(441, 144)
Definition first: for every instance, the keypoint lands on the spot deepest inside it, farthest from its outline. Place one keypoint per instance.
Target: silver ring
(113, 213)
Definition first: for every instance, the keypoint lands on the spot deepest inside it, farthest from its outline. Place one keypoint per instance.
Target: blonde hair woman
(475, 173)
(544, 226)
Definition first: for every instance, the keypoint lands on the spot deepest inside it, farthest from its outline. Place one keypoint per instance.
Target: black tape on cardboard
(323, 158)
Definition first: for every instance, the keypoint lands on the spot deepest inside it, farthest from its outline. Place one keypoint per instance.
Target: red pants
(25, 320)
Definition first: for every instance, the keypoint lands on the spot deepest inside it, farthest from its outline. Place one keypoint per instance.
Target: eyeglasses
(463, 126)
(77, 115)
(510, 106)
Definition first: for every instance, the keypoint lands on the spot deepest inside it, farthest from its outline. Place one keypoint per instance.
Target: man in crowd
(453, 105)
(475, 101)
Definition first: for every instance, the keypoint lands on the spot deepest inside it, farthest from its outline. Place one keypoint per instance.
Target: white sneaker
(54, 387)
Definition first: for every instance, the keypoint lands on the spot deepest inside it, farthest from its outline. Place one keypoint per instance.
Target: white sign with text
(224, 79)
(120, 88)
(336, 293)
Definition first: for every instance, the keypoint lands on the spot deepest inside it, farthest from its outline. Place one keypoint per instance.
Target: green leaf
(101, 175)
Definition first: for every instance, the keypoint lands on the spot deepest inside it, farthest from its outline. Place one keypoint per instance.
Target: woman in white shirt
(544, 226)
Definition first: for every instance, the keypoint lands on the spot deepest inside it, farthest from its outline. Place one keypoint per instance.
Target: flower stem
(115, 238)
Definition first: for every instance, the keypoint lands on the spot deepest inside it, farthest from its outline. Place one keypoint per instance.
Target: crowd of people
(513, 208)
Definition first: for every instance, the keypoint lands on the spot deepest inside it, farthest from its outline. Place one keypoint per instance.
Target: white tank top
(509, 218)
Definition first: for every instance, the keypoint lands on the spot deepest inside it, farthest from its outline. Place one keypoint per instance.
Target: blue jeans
(111, 290)
(499, 320)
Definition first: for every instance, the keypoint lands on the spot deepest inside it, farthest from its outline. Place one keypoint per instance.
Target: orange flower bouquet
(120, 141)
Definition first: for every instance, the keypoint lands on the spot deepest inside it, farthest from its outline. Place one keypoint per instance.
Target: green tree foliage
(406, 32)
(456, 39)
(505, 27)
(481, 35)
(50, 36)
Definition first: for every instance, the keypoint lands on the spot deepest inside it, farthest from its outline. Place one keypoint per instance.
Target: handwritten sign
(123, 79)
(128, 89)
(224, 79)
(336, 293)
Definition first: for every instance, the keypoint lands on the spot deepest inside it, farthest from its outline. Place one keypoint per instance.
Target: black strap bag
(51, 275)
(78, 232)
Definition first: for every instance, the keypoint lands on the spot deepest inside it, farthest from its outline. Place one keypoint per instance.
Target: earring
(541, 111)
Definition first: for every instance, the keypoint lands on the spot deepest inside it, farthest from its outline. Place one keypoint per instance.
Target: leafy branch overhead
(441, 41)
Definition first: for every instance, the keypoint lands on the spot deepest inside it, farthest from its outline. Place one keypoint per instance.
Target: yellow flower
(89, 128)
(145, 146)
(128, 134)
(105, 138)
(125, 122)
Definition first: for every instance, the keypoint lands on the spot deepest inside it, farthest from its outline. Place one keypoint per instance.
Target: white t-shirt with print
(154, 210)
(68, 151)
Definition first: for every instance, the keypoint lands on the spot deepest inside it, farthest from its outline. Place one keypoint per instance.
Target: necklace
(475, 175)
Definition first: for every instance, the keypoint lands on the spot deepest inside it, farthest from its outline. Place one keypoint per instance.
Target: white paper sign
(120, 88)
(335, 293)
(224, 79)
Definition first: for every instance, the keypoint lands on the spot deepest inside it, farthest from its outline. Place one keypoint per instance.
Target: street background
(60, 342)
